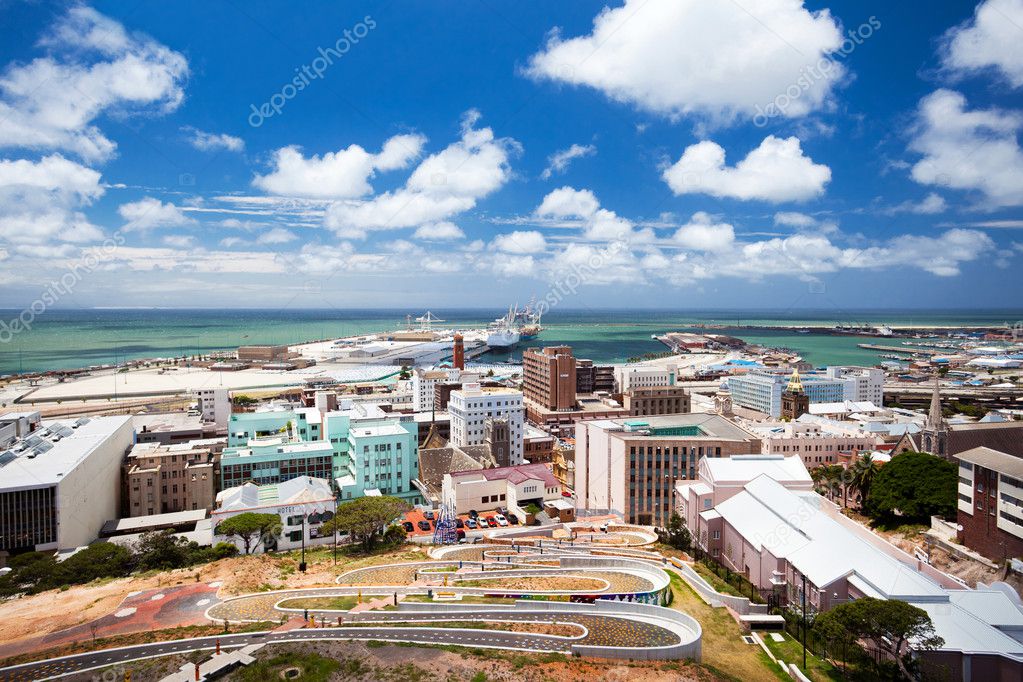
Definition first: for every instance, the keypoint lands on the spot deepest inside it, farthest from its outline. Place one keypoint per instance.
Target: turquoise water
(64, 339)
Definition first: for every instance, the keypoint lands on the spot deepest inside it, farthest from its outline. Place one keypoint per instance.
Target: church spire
(935, 416)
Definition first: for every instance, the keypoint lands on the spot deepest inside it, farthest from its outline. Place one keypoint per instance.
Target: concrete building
(426, 396)
(815, 442)
(631, 465)
(590, 378)
(214, 405)
(164, 479)
(862, 384)
(759, 519)
(273, 459)
(761, 389)
(656, 400)
(537, 445)
(472, 405)
(15, 425)
(990, 504)
(514, 488)
(61, 483)
(167, 428)
(549, 377)
(262, 354)
(642, 376)
(297, 423)
(381, 458)
(563, 423)
(302, 503)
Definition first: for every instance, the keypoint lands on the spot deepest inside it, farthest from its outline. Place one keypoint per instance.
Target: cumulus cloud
(276, 235)
(443, 185)
(559, 161)
(179, 241)
(721, 59)
(989, 41)
(794, 219)
(439, 231)
(521, 242)
(966, 149)
(931, 204)
(599, 224)
(149, 213)
(568, 202)
(702, 233)
(207, 142)
(93, 66)
(336, 175)
(40, 200)
(776, 171)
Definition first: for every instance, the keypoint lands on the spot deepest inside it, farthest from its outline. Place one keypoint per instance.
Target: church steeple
(934, 435)
(935, 416)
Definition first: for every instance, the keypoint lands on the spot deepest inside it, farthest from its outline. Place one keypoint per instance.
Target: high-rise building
(761, 389)
(163, 479)
(549, 377)
(472, 405)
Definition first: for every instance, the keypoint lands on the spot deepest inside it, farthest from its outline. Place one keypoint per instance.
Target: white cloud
(568, 202)
(208, 142)
(969, 150)
(179, 241)
(40, 200)
(149, 213)
(721, 59)
(932, 204)
(558, 161)
(444, 184)
(514, 266)
(990, 40)
(794, 219)
(776, 171)
(277, 235)
(701, 233)
(343, 174)
(521, 242)
(439, 231)
(93, 67)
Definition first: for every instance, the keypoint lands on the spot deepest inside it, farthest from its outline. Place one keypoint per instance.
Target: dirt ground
(424, 664)
(49, 612)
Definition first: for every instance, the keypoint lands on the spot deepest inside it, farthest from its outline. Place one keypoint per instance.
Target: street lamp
(301, 565)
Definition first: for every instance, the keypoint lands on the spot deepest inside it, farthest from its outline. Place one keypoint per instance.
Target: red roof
(515, 474)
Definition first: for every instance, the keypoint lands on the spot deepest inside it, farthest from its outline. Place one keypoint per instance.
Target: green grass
(716, 581)
(315, 668)
(342, 603)
(791, 651)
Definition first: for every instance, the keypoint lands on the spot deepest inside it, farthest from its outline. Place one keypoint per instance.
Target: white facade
(424, 384)
(862, 384)
(469, 408)
(815, 444)
(761, 390)
(509, 487)
(214, 405)
(631, 376)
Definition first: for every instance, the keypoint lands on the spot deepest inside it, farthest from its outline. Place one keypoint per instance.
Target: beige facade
(549, 377)
(656, 400)
(162, 479)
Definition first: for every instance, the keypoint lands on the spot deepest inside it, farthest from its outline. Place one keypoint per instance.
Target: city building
(214, 405)
(167, 428)
(298, 423)
(60, 483)
(760, 519)
(642, 376)
(15, 425)
(513, 488)
(816, 441)
(381, 458)
(470, 407)
(537, 445)
(630, 466)
(262, 354)
(562, 423)
(163, 479)
(274, 459)
(303, 504)
(656, 400)
(990, 504)
(794, 400)
(437, 458)
(761, 389)
(549, 378)
(431, 388)
(944, 439)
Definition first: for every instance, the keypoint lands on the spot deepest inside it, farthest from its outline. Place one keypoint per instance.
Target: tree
(890, 625)
(914, 485)
(250, 527)
(676, 534)
(362, 519)
(864, 469)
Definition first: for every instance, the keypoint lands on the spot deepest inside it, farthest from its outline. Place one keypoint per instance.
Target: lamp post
(301, 565)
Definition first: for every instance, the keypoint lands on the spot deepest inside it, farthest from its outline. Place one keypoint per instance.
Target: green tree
(677, 535)
(914, 485)
(862, 474)
(250, 528)
(889, 625)
(362, 519)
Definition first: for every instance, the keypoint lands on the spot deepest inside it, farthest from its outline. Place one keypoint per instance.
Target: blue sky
(678, 154)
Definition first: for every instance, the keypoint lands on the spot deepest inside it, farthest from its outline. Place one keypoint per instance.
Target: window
(717, 535)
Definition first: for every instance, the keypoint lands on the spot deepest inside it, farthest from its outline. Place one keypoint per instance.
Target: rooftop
(994, 460)
(692, 425)
(515, 474)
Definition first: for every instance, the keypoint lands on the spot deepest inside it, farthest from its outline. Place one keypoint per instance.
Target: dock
(908, 350)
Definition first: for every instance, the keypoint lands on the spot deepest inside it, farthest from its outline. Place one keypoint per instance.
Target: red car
(492, 522)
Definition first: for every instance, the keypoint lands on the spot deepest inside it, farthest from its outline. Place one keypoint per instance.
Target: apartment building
(813, 441)
(381, 458)
(642, 376)
(990, 503)
(590, 378)
(761, 389)
(656, 400)
(163, 479)
(470, 407)
(631, 465)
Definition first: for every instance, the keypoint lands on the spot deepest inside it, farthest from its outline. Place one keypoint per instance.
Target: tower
(934, 436)
(723, 401)
(794, 400)
(458, 354)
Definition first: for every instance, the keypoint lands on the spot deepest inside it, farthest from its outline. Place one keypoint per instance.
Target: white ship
(517, 325)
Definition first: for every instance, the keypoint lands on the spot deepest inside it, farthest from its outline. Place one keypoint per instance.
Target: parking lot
(422, 526)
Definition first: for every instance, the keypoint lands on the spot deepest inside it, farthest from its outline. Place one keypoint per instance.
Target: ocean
(66, 339)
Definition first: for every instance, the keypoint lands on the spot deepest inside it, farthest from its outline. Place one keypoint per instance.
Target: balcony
(778, 579)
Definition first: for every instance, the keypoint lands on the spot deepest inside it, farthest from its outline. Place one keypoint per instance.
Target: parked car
(459, 523)
(565, 493)
(491, 522)
(408, 527)
(473, 514)
(512, 519)
(470, 523)
(501, 521)
(460, 534)
(424, 525)
(428, 514)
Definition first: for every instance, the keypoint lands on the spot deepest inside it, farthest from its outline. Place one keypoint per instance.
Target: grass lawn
(466, 599)
(791, 651)
(716, 581)
(343, 603)
(724, 652)
(312, 667)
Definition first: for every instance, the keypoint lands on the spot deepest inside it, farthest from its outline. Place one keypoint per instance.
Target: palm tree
(828, 479)
(863, 471)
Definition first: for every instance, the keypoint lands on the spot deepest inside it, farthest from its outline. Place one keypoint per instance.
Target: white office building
(642, 376)
(862, 384)
(61, 482)
(424, 385)
(761, 389)
(214, 405)
(469, 408)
